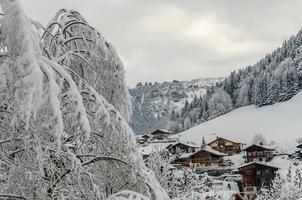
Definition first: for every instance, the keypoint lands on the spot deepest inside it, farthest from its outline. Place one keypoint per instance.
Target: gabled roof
(189, 144)
(258, 146)
(212, 151)
(142, 136)
(161, 130)
(257, 163)
(185, 155)
(206, 149)
(217, 138)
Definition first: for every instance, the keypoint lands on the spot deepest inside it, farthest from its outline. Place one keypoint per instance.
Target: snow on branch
(57, 112)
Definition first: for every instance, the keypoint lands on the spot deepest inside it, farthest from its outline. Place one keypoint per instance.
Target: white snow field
(281, 123)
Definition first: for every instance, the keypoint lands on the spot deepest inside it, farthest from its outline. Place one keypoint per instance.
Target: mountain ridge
(152, 103)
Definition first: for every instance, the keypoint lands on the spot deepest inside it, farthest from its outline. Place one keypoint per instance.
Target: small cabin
(256, 176)
(160, 134)
(142, 139)
(258, 153)
(226, 146)
(181, 147)
(205, 157)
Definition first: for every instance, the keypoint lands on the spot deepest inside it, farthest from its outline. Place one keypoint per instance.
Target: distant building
(142, 139)
(205, 157)
(160, 134)
(258, 153)
(182, 147)
(255, 176)
(153, 147)
(226, 146)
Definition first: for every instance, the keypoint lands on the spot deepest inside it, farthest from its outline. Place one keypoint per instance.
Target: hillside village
(72, 128)
(244, 169)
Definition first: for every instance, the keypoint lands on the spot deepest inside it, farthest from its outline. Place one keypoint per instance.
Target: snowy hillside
(153, 102)
(280, 122)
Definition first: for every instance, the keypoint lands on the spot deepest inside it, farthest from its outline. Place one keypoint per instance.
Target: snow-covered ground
(280, 122)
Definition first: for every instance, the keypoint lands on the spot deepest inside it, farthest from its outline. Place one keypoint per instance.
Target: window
(260, 159)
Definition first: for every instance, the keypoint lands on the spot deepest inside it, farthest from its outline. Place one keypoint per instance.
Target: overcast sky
(161, 40)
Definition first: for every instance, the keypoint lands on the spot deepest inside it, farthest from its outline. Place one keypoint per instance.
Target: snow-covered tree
(288, 187)
(59, 137)
(71, 41)
(187, 123)
(220, 103)
(159, 163)
(259, 139)
(299, 140)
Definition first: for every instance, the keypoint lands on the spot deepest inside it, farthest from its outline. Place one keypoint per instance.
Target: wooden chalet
(181, 147)
(205, 157)
(255, 176)
(160, 134)
(226, 146)
(258, 153)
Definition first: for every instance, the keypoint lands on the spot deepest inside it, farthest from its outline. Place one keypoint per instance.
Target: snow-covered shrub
(127, 195)
(284, 188)
(159, 163)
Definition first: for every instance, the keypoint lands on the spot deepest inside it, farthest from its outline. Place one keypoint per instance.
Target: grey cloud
(162, 40)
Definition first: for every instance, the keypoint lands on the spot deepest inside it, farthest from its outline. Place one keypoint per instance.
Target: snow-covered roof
(185, 155)
(217, 138)
(213, 151)
(161, 130)
(257, 163)
(258, 145)
(206, 149)
(152, 147)
(142, 136)
(189, 144)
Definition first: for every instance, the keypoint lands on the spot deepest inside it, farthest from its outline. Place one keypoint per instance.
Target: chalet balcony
(203, 160)
(258, 156)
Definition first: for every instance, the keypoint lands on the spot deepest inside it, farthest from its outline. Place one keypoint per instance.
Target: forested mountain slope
(275, 78)
(152, 103)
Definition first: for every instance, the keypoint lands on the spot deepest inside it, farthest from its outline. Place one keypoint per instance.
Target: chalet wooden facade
(256, 176)
(226, 146)
(205, 157)
(183, 148)
(258, 153)
(160, 134)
